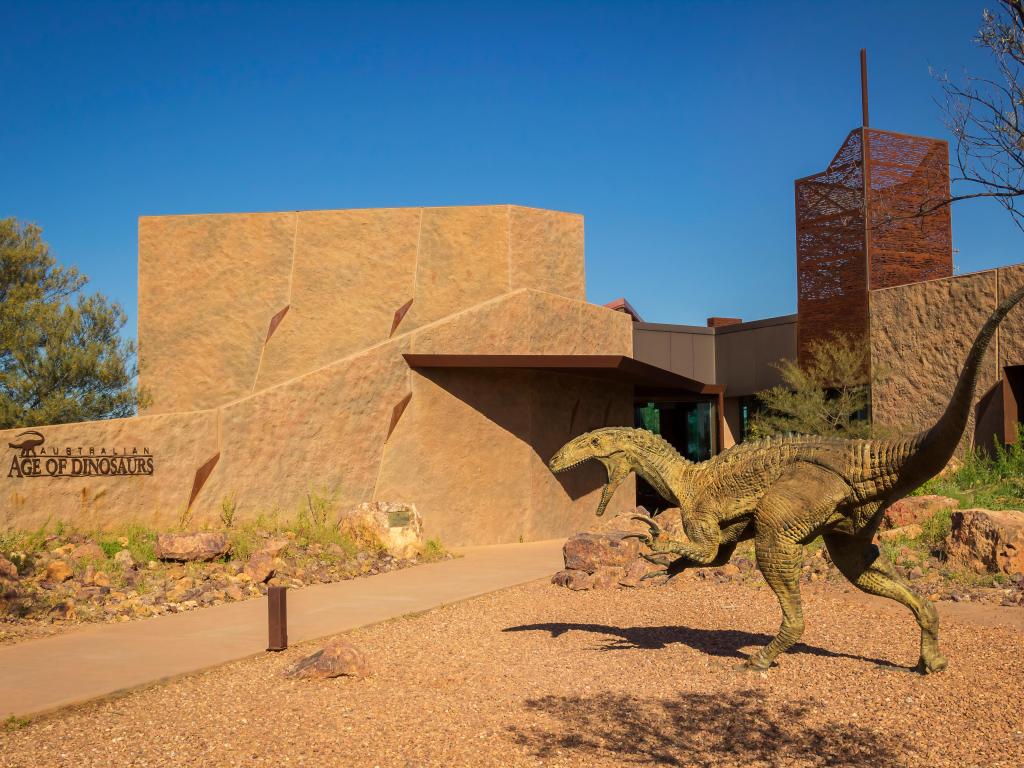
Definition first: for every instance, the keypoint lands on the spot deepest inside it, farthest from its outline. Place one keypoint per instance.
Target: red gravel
(540, 675)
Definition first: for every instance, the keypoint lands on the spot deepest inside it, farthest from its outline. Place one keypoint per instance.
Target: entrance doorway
(689, 426)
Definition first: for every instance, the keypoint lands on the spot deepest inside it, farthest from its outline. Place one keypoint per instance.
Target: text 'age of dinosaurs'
(784, 492)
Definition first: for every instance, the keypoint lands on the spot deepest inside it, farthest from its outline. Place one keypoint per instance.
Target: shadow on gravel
(693, 729)
(714, 642)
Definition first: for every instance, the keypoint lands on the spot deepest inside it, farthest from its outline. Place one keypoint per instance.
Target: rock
(633, 574)
(90, 550)
(186, 547)
(63, 610)
(124, 559)
(572, 579)
(233, 593)
(590, 551)
(396, 525)
(100, 579)
(339, 657)
(987, 541)
(181, 590)
(607, 577)
(911, 531)
(730, 570)
(261, 567)
(58, 571)
(274, 547)
(8, 570)
(915, 509)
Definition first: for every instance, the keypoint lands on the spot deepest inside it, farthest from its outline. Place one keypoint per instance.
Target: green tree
(829, 395)
(62, 358)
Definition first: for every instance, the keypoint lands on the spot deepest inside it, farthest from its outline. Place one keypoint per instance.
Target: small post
(864, 87)
(277, 616)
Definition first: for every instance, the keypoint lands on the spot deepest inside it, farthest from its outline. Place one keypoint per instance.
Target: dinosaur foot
(928, 666)
(754, 664)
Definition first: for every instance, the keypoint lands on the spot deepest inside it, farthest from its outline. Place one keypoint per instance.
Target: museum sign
(35, 459)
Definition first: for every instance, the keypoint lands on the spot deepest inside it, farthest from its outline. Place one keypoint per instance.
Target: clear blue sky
(676, 128)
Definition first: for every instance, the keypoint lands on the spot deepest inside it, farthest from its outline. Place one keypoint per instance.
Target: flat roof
(647, 378)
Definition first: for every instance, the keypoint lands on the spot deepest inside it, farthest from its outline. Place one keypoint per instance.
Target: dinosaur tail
(935, 446)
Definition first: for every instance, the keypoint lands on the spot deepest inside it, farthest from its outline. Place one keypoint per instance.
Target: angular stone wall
(231, 304)
(920, 335)
(468, 447)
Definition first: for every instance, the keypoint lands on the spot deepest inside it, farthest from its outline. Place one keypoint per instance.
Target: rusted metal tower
(860, 226)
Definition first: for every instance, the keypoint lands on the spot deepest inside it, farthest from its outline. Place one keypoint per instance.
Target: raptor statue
(783, 492)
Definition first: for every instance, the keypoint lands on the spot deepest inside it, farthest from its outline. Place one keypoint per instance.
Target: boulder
(274, 547)
(8, 570)
(911, 531)
(339, 657)
(633, 574)
(396, 525)
(590, 551)
(261, 567)
(124, 559)
(90, 550)
(58, 571)
(987, 541)
(915, 509)
(575, 580)
(186, 547)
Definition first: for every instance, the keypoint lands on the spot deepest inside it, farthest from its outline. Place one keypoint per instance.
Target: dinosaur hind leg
(870, 571)
(795, 506)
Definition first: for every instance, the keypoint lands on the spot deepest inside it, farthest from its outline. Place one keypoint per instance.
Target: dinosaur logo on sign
(28, 445)
(34, 460)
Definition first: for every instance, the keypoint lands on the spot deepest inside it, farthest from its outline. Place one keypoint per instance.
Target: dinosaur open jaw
(558, 470)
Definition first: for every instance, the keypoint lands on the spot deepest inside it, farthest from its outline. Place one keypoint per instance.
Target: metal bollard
(277, 618)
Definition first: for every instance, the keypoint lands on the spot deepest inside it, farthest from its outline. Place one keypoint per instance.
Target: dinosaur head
(607, 445)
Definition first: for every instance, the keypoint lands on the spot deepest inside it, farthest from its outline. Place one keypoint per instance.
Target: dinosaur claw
(655, 528)
(652, 559)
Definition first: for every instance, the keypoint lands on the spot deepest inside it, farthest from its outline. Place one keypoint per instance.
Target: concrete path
(41, 675)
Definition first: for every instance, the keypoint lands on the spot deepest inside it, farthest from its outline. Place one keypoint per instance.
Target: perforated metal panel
(856, 232)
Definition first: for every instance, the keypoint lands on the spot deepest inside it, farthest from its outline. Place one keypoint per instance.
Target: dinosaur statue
(784, 492)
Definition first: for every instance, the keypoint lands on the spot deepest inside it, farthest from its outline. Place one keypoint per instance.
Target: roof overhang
(647, 379)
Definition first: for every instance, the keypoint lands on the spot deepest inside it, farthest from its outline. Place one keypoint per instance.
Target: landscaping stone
(339, 657)
(274, 547)
(124, 559)
(8, 570)
(90, 550)
(186, 547)
(260, 567)
(987, 541)
(397, 525)
(915, 509)
(58, 571)
(590, 551)
(573, 579)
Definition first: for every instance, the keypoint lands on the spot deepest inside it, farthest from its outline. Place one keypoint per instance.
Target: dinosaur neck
(933, 447)
(657, 462)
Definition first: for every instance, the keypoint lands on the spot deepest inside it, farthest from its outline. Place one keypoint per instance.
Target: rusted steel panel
(858, 231)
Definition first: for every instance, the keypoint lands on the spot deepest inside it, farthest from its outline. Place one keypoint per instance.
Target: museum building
(439, 356)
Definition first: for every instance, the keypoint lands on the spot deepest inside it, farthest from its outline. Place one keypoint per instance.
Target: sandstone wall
(920, 335)
(231, 304)
(468, 447)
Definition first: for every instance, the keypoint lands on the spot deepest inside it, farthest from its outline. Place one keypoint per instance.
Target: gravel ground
(540, 675)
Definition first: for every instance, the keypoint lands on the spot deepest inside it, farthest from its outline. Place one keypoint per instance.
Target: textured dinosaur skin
(784, 492)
